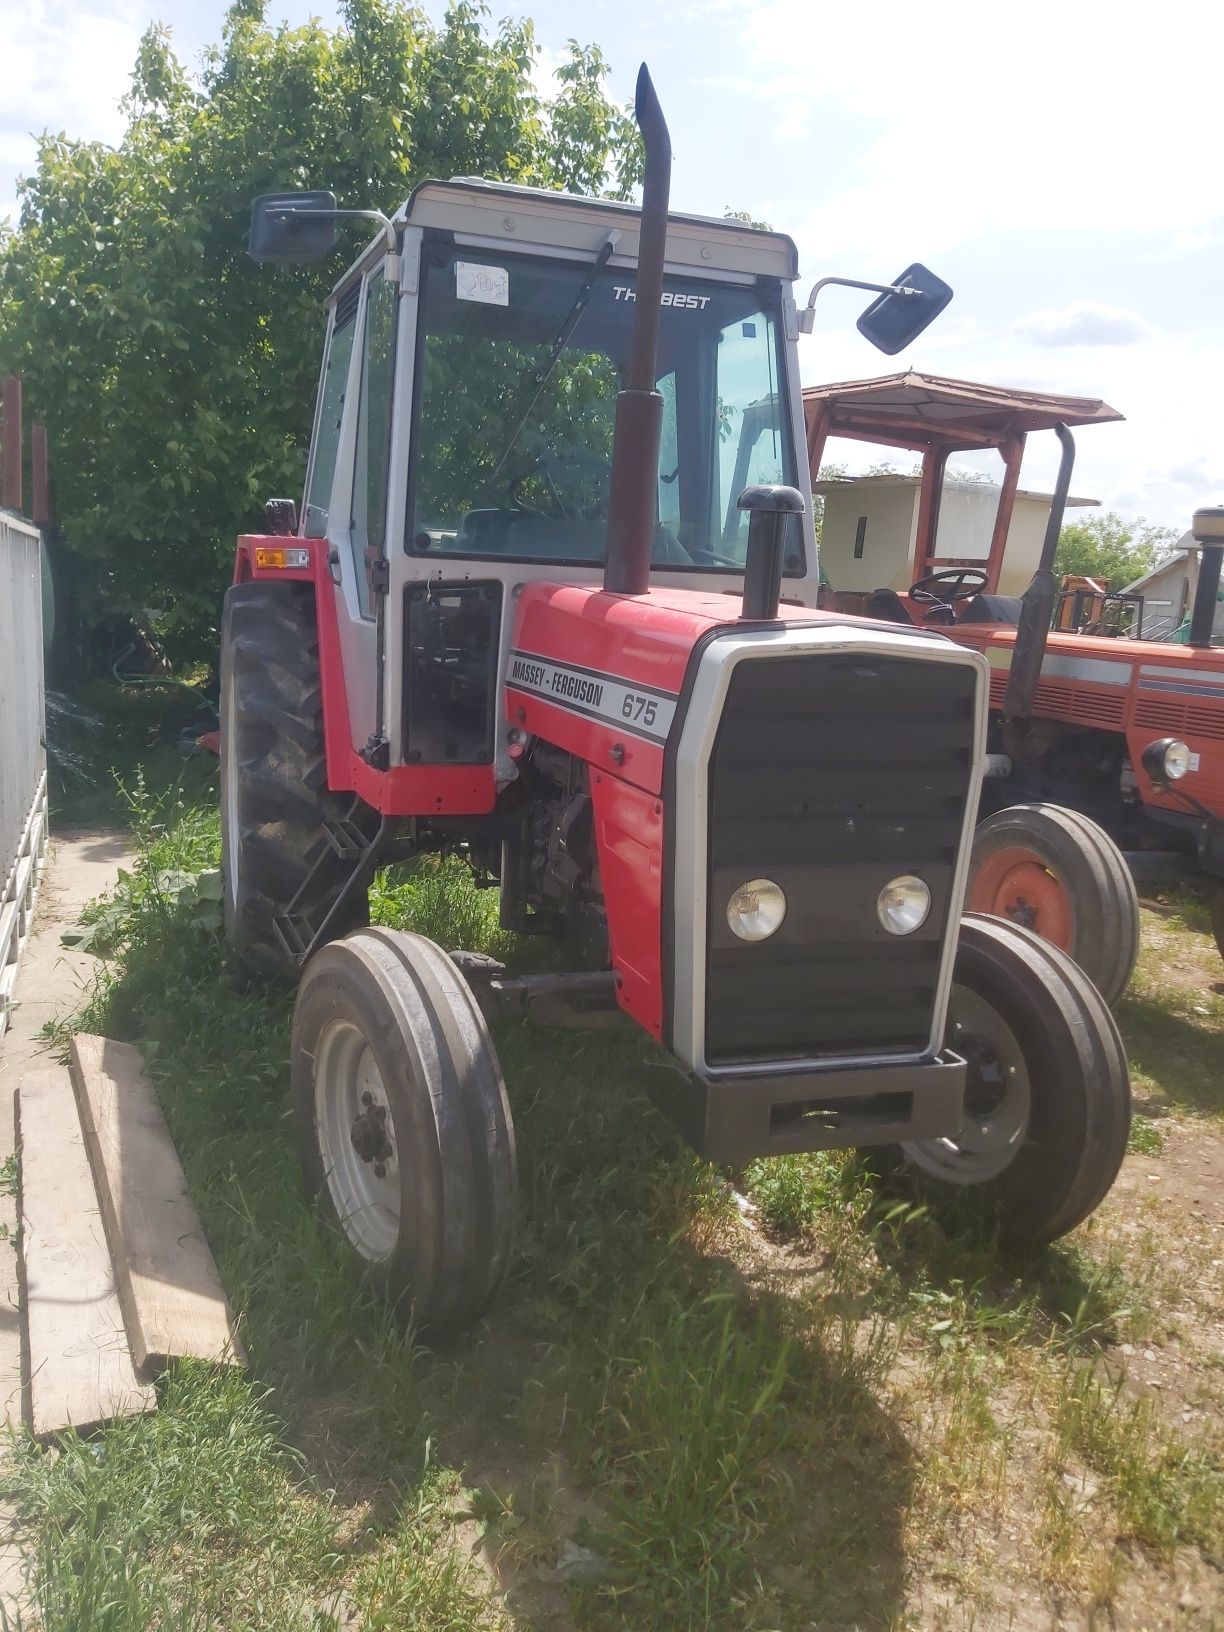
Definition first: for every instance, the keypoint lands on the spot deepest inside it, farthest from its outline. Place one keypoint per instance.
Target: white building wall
(967, 515)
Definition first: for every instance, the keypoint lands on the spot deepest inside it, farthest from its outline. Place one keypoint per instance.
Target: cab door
(347, 495)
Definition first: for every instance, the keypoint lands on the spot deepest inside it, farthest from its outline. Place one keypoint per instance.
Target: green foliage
(748, 220)
(176, 376)
(1108, 546)
(793, 1192)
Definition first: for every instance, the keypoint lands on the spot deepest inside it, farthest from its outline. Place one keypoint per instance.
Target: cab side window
(369, 517)
(331, 412)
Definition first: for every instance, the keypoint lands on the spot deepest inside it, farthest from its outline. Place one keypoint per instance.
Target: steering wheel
(963, 583)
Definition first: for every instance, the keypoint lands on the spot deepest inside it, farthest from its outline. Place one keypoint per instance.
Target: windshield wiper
(543, 374)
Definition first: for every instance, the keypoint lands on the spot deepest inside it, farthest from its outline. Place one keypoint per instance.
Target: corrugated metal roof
(934, 403)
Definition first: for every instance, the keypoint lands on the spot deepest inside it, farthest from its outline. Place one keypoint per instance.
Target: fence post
(10, 446)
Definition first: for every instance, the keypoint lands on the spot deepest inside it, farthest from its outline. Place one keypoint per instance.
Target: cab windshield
(520, 362)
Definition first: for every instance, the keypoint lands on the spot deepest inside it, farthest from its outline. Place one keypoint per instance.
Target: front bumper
(732, 1119)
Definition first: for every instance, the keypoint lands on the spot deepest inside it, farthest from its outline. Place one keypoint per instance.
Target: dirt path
(53, 982)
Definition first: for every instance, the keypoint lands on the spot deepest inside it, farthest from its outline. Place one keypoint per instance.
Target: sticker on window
(490, 284)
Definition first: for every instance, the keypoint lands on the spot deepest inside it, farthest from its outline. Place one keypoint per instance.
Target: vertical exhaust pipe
(639, 407)
(1037, 602)
(1208, 531)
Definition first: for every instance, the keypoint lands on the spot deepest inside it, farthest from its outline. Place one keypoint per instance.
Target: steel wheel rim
(351, 1111)
(998, 1098)
(1018, 884)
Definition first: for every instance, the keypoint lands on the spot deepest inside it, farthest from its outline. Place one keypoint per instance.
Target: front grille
(831, 774)
(1172, 718)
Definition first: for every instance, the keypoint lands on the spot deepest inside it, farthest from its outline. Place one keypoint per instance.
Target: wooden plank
(171, 1293)
(80, 1366)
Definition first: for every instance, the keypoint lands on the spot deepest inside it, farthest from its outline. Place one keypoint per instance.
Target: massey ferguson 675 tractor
(551, 606)
(1125, 736)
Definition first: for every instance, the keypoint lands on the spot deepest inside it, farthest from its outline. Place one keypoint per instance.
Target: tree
(177, 378)
(1107, 546)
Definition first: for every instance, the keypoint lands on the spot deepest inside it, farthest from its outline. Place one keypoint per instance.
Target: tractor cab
(954, 539)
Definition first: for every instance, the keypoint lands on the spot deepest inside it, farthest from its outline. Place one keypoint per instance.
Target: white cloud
(1186, 241)
(544, 71)
(964, 122)
(1084, 323)
(65, 67)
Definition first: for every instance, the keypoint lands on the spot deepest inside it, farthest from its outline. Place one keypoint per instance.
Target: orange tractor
(1096, 743)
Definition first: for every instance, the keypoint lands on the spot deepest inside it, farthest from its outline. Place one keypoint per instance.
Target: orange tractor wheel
(1058, 874)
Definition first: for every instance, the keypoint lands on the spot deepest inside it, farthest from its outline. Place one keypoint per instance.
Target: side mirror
(292, 226)
(898, 317)
(281, 517)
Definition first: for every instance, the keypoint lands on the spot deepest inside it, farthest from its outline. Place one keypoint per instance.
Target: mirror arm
(807, 317)
(384, 222)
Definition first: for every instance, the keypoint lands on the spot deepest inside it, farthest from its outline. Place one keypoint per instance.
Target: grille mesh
(831, 774)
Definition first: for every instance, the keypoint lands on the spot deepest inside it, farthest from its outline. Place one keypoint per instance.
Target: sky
(1060, 165)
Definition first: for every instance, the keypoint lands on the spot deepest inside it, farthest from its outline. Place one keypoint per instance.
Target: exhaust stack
(639, 407)
(1037, 602)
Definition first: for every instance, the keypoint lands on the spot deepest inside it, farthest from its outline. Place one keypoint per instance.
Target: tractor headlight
(903, 904)
(756, 909)
(1166, 760)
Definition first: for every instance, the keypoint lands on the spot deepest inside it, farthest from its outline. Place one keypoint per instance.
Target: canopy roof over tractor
(921, 410)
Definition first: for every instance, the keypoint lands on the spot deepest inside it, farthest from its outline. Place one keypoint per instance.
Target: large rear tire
(1057, 873)
(403, 1124)
(1216, 908)
(1047, 1102)
(274, 793)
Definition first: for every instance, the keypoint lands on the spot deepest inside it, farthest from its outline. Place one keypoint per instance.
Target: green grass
(757, 1428)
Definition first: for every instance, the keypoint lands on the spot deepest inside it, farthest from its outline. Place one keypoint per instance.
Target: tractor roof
(919, 409)
(538, 217)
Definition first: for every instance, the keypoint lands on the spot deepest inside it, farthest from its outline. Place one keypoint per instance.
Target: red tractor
(551, 606)
(1091, 734)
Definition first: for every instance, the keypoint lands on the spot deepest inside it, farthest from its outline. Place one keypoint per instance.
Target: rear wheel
(1047, 1100)
(1216, 904)
(403, 1124)
(274, 794)
(1057, 873)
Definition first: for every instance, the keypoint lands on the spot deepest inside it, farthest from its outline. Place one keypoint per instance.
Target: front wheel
(1047, 1098)
(403, 1124)
(1058, 873)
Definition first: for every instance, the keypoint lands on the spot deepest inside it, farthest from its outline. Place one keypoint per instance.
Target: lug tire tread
(270, 661)
(1076, 1142)
(449, 1106)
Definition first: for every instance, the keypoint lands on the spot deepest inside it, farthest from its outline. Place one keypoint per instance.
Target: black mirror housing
(893, 321)
(290, 227)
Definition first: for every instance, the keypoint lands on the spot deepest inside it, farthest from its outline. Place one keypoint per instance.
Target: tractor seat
(990, 609)
(886, 605)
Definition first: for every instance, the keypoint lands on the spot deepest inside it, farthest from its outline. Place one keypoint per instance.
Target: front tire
(274, 794)
(1047, 1102)
(1057, 873)
(403, 1125)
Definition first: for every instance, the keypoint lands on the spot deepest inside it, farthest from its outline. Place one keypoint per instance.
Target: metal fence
(23, 758)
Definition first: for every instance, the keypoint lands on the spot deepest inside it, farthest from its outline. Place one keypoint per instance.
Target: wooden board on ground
(80, 1366)
(168, 1283)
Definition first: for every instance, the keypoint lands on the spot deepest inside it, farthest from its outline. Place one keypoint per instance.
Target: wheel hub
(997, 1097)
(986, 1078)
(369, 1134)
(356, 1140)
(1019, 884)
